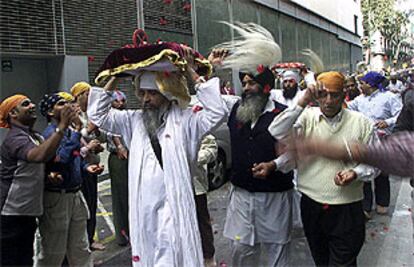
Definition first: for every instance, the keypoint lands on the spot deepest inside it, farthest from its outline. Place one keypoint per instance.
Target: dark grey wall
(35, 77)
(29, 77)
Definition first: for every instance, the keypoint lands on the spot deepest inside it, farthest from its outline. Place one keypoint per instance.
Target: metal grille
(173, 16)
(30, 27)
(90, 28)
(96, 28)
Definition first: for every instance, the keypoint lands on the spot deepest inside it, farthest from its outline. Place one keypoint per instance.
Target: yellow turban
(68, 97)
(332, 80)
(8, 105)
(79, 87)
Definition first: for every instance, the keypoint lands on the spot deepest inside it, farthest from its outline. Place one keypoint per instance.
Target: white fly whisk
(253, 47)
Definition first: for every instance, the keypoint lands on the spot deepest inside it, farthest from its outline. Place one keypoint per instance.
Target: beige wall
(339, 11)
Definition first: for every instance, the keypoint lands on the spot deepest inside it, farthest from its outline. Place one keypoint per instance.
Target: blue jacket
(67, 161)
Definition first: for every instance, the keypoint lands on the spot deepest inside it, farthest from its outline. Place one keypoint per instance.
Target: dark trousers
(118, 171)
(90, 192)
(382, 192)
(204, 225)
(335, 233)
(16, 241)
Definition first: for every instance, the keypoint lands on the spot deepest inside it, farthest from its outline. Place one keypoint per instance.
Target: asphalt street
(388, 238)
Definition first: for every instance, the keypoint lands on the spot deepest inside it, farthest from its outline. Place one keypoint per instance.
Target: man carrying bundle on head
(163, 141)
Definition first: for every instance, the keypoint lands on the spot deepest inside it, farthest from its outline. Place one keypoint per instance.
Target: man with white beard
(259, 215)
(163, 141)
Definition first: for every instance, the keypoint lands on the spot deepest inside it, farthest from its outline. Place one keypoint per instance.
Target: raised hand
(217, 56)
(188, 54)
(312, 93)
(66, 116)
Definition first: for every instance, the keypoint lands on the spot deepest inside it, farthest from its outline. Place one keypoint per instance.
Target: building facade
(48, 45)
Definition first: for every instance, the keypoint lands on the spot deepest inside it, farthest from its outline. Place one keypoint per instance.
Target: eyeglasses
(26, 103)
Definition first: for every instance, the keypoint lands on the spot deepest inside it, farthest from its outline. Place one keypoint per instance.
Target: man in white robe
(290, 93)
(162, 214)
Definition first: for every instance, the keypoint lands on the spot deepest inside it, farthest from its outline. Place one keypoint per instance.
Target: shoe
(382, 210)
(367, 215)
(98, 246)
(210, 262)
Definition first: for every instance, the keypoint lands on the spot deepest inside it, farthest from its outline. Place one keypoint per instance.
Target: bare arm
(47, 150)
(394, 155)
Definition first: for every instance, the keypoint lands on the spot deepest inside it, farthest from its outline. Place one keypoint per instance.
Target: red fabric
(137, 54)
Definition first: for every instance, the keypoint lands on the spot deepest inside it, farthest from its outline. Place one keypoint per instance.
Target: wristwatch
(58, 130)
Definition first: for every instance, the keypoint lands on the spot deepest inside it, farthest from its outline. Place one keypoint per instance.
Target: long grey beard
(251, 107)
(153, 118)
(152, 121)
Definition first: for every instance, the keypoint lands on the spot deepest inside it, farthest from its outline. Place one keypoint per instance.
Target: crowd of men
(306, 155)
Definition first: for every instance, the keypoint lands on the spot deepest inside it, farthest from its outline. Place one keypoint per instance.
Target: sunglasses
(61, 103)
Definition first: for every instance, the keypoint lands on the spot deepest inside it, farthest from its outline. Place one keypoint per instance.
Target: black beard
(290, 93)
(352, 94)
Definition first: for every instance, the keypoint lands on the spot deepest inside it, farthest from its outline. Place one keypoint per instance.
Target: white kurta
(162, 215)
(277, 95)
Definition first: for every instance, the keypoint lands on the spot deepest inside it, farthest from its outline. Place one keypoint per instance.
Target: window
(356, 24)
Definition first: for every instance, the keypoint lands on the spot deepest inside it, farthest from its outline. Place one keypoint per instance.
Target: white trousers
(261, 254)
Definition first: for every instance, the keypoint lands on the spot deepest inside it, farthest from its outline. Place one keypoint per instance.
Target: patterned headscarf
(8, 105)
(118, 95)
(374, 79)
(49, 101)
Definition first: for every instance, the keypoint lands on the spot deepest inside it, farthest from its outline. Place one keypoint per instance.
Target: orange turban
(8, 105)
(78, 88)
(332, 80)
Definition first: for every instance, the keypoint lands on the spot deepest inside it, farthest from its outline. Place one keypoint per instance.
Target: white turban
(290, 75)
(147, 81)
(172, 85)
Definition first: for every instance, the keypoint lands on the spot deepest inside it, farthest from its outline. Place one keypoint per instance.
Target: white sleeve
(283, 123)
(310, 79)
(285, 163)
(230, 101)
(111, 120)
(365, 172)
(395, 106)
(208, 150)
(213, 113)
(353, 105)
